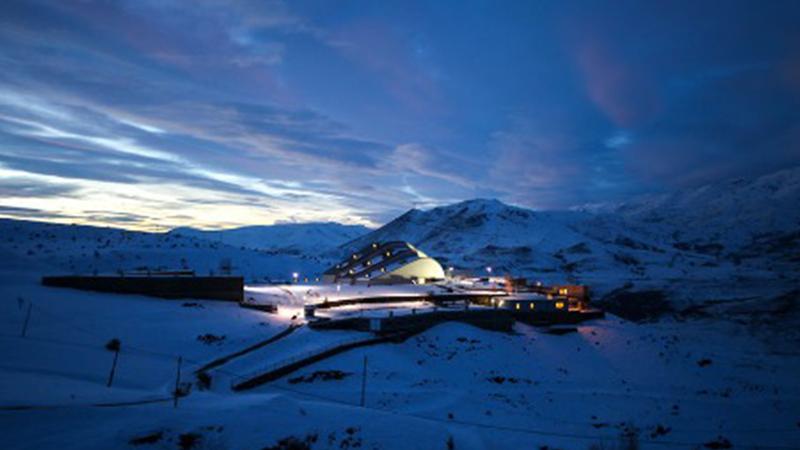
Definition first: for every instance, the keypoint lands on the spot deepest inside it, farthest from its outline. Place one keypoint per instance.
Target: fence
(279, 369)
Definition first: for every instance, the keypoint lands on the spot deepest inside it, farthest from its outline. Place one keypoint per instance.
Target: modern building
(394, 262)
(531, 302)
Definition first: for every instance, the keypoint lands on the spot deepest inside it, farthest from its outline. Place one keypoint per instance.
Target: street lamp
(295, 276)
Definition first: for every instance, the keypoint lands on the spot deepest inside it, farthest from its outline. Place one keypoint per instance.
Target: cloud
(626, 93)
(378, 48)
(23, 187)
(30, 213)
(415, 159)
(256, 112)
(554, 159)
(736, 123)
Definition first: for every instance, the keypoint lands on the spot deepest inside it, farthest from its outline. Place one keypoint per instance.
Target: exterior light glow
(559, 305)
(489, 269)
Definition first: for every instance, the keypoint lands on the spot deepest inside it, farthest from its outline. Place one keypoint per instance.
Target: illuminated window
(559, 305)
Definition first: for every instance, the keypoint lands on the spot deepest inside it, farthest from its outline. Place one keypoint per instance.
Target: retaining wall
(171, 287)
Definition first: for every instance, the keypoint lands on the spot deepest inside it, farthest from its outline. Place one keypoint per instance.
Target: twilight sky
(157, 113)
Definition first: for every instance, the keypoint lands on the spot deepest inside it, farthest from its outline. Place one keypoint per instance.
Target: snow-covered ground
(671, 384)
(720, 370)
(62, 358)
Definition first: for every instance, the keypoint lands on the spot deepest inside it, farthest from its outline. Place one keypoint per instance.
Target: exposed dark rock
(638, 306)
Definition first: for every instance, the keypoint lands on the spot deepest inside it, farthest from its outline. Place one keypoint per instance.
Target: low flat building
(532, 303)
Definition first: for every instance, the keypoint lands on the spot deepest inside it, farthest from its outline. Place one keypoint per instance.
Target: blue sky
(149, 114)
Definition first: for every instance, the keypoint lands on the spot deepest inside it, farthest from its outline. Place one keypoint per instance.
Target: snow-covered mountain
(730, 241)
(476, 233)
(293, 238)
(663, 385)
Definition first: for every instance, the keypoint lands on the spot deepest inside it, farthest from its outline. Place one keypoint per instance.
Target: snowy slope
(732, 241)
(294, 238)
(475, 233)
(663, 385)
(57, 248)
(668, 384)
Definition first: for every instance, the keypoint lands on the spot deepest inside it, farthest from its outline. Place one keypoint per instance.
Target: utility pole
(27, 318)
(113, 345)
(364, 382)
(177, 383)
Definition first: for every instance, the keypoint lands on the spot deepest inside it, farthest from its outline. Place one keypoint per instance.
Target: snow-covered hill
(292, 238)
(611, 384)
(733, 241)
(57, 248)
(477, 233)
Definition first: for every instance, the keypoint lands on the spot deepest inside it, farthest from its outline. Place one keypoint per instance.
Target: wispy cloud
(256, 112)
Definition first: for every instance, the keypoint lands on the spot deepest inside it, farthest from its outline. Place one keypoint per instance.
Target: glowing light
(559, 305)
(489, 269)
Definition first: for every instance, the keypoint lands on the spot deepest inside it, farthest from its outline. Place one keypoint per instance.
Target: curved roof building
(394, 262)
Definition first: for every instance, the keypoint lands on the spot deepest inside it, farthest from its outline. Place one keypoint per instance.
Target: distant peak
(481, 203)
